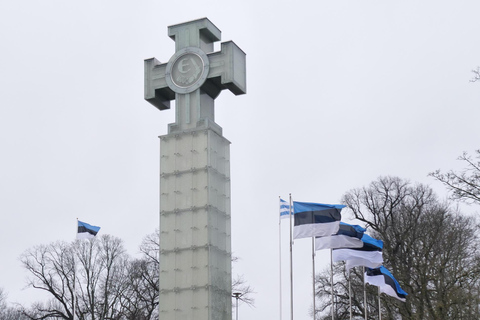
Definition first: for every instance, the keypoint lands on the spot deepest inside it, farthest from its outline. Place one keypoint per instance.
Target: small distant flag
(347, 236)
(86, 231)
(315, 219)
(383, 279)
(369, 255)
(284, 209)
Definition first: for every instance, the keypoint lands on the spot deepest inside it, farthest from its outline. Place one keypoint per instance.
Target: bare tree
(88, 273)
(150, 246)
(102, 263)
(140, 298)
(476, 75)
(7, 312)
(52, 270)
(464, 185)
(243, 290)
(3, 299)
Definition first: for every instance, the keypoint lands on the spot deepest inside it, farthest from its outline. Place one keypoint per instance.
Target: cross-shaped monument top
(195, 75)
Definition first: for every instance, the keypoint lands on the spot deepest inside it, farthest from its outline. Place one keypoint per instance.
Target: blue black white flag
(86, 231)
(347, 236)
(369, 255)
(383, 279)
(315, 219)
(284, 209)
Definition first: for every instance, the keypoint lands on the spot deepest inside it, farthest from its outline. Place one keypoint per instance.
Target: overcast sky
(338, 94)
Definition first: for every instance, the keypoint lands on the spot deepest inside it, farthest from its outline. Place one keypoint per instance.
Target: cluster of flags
(348, 242)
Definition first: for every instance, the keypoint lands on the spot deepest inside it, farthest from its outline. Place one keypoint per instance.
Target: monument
(195, 238)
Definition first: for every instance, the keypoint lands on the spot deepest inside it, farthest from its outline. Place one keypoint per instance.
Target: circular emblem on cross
(187, 70)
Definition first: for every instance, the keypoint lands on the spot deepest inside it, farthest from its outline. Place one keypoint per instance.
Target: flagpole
(280, 256)
(74, 298)
(313, 271)
(350, 292)
(331, 282)
(379, 306)
(291, 260)
(365, 295)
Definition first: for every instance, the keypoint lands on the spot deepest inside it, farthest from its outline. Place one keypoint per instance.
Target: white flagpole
(291, 260)
(350, 292)
(331, 282)
(74, 298)
(379, 305)
(313, 277)
(365, 295)
(280, 254)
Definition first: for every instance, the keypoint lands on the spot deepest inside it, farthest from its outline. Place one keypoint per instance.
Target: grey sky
(339, 93)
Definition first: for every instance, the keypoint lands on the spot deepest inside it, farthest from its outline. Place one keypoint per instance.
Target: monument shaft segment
(195, 239)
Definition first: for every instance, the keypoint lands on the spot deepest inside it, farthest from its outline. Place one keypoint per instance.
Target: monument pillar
(195, 238)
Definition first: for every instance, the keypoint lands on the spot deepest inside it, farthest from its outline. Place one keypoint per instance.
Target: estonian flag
(284, 209)
(86, 231)
(315, 219)
(348, 236)
(369, 255)
(383, 279)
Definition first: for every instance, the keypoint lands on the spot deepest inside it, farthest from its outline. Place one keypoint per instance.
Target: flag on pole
(86, 231)
(387, 284)
(347, 236)
(284, 209)
(369, 255)
(315, 219)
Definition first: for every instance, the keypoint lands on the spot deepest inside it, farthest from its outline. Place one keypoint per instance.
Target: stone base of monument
(195, 240)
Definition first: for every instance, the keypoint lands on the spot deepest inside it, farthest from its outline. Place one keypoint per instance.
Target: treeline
(431, 248)
(95, 279)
